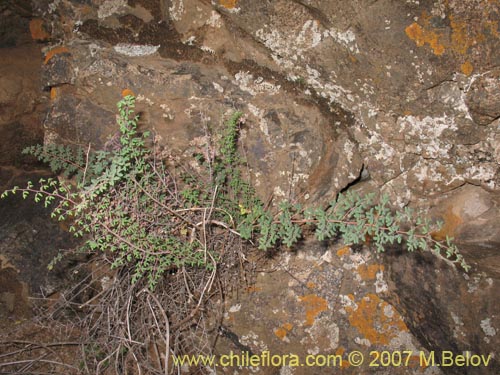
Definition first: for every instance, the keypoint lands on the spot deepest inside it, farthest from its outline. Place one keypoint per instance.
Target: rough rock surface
(451, 309)
(397, 88)
(324, 300)
(393, 96)
(22, 104)
(483, 98)
(29, 240)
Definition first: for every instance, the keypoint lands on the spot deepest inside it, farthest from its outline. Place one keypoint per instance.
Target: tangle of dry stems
(123, 327)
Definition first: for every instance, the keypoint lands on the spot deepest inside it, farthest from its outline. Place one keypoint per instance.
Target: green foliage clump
(120, 202)
(125, 202)
(356, 219)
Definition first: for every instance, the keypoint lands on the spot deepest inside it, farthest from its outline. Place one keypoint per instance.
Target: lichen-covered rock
(409, 101)
(446, 308)
(57, 68)
(325, 302)
(288, 130)
(396, 97)
(285, 134)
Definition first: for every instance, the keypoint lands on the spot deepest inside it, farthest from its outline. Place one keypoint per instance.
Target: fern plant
(355, 218)
(120, 202)
(126, 203)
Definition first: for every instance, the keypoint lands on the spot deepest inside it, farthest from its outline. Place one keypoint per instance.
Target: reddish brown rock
(483, 97)
(38, 30)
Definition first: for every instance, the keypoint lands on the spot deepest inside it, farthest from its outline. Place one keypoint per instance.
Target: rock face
(483, 98)
(324, 300)
(400, 97)
(403, 90)
(28, 238)
(22, 104)
(451, 311)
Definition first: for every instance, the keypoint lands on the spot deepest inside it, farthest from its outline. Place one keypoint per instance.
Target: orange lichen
(228, 4)
(55, 51)
(371, 321)
(460, 38)
(127, 92)
(313, 306)
(341, 351)
(467, 68)
(37, 30)
(421, 36)
(253, 289)
(282, 331)
(343, 251)
(450, 225)
(415, 33)
(311, 285)
(463, 33)
(416, 362)
(53, 93)
(369, 272)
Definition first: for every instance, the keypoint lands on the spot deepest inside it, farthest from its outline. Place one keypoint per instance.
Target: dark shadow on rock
(29, 238)
(446, 309)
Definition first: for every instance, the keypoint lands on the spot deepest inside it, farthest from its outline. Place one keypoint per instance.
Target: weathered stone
(471, 215)
(22, 104)
(340, 165)
(421, 83)
(29, 239)
(445, 308)
(77, 121)
(38, 30)
(13, 293)
(58, 70)
(483, 97)
(16, 136)
(323, 300)
(285, 135)
(19, 82)
(14, 16)
(328, 89)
